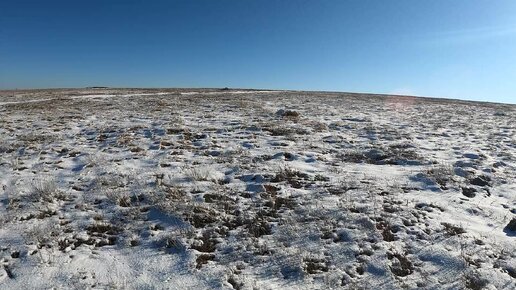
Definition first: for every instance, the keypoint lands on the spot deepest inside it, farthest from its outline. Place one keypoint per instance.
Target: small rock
(499, 164)
(511, 226)
(469, 192)
(480, 181)
(289, 156)
(479, 242)
(15, 254)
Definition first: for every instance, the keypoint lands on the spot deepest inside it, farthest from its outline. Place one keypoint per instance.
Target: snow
(181, 189)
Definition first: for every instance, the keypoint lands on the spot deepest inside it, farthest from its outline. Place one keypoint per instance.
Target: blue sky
(461, 49)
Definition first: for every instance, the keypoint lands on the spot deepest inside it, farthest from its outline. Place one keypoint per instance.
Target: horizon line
(261, 89)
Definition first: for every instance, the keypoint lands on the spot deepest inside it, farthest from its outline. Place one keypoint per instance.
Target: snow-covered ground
(183, 189)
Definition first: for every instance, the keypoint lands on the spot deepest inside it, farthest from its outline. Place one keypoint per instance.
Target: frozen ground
(181, 189)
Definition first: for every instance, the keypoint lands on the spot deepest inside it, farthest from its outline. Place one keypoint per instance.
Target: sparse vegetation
(219, 188)
(441, 174)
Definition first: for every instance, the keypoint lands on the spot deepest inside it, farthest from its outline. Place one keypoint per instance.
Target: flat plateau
(242, 189)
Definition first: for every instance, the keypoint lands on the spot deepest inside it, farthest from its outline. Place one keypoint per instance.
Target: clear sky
(447, 48)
